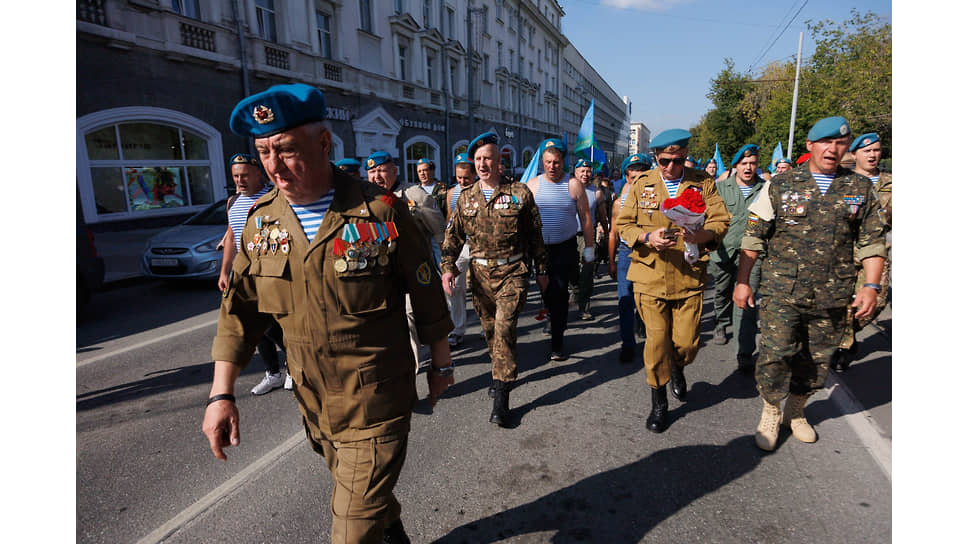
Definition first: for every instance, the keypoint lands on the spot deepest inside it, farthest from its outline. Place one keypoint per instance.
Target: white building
(157, 81)
(639, 138)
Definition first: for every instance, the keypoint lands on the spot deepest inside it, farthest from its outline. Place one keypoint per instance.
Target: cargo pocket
(272, 283)
(387, 391)
(363, 292)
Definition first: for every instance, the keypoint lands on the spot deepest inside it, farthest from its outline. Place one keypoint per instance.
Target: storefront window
(142, 166)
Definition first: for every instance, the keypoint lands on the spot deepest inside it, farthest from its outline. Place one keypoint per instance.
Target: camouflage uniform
(506, 227)
(439, 194)
(853, 325)
(808, 273)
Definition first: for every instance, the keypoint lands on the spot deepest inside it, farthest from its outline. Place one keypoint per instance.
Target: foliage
(849, 74)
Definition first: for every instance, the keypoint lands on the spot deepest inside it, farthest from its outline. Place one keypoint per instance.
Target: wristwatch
(446, 371)
(874, 286)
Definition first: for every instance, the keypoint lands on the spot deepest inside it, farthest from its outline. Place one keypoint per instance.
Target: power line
(778, 36)
(785, 17)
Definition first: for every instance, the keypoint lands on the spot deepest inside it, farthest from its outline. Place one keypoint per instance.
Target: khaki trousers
(364, 474)
(671, 334)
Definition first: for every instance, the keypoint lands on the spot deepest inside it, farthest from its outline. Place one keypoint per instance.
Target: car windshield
(212, 215)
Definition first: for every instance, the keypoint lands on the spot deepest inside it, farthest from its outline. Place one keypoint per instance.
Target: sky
(663, 54)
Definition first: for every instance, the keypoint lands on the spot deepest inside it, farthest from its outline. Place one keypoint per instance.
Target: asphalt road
(577, 466)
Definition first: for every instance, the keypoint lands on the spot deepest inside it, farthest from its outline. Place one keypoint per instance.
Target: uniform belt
(499, 262)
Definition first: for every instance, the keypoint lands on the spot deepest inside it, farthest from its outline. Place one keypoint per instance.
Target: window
(139, 166)
(499, 9)
(402, 56)
(188, 8)
(366, 16)
(487, 67)
(431, 62)
(428, 13)
(511, 60)
(397, 7)
(420, 147)
(325, 37)
(484, 19)
(265, 14)
(450, 23)
(453, 77)
(500, 54)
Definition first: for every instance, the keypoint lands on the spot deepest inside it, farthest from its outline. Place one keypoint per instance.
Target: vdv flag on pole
(532, 169)
(720, 168)
(777, 155)
(586, 145)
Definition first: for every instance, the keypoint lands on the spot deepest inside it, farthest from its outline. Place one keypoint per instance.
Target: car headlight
(208, 246)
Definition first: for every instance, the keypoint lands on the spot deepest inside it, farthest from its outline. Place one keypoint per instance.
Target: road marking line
(212, 498)
(139, 345)
(863, 424)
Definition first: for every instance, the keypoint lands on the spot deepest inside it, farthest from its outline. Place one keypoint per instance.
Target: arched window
(140, 162)
(507, 159)
(414, 149)
(460, 147)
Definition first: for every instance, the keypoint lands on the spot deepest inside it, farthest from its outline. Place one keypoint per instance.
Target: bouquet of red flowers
(688, 211)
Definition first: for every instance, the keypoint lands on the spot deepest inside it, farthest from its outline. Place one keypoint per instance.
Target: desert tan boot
(793, 416)
(769, 428)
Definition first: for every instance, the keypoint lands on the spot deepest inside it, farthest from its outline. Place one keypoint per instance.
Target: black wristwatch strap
(223, 396)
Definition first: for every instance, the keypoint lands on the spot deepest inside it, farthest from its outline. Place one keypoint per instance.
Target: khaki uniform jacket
(347, 339)
(666, 274)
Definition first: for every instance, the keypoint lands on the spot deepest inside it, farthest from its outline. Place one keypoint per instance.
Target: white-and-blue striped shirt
(239, 212)
(311, 215)
(672, 185)
(823, 181)
(559, 212)
(745, 189)
(487, 193)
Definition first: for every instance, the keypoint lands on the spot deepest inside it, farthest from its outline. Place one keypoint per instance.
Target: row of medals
(359, 256)
(269, 238)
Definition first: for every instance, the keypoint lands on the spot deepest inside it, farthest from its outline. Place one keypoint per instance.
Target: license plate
(164, 262)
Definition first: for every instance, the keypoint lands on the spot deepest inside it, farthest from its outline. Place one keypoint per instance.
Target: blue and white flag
(777, 155)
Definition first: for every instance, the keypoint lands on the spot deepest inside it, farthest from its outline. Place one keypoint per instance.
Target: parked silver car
(189, 251)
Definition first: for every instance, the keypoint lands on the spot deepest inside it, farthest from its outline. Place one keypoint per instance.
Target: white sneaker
(288, 386)
(270, 382)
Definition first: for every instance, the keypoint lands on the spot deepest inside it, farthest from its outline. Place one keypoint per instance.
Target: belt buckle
(492, 263)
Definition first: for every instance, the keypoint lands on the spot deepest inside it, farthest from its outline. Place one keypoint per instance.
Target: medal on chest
(854, 202)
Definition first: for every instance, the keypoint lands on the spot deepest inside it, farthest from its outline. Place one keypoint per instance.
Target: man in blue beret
(738, 191)
(330, 259)
(867, 158)
(350, 166)
(620, 259)
(250, 186)
(456, 299)
(586, 277)
(668, 288)
(783, 165)
(564, 212)
(498, 220)
(808, 221)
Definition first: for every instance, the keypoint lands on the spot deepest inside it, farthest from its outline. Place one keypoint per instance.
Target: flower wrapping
(688, 211)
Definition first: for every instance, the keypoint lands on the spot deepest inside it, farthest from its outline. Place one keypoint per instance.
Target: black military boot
(501, 414)
(394, 534)
(492, 389)
(658, 420)
(678, 382)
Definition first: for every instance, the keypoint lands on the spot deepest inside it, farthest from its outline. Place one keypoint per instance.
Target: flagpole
(796, 90)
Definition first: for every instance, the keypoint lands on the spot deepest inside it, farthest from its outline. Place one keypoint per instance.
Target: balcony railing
(92, 11)
(197, 37)
(333, 72)
(277, 58)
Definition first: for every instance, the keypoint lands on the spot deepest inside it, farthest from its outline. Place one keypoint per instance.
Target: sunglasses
(679, 161)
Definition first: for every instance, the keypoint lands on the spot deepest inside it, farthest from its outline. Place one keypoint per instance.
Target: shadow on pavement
(622, 504)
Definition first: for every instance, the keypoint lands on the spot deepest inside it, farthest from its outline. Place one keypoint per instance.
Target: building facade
(639, 138)
(157, 80)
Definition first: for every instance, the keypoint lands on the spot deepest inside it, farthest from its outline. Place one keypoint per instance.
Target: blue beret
(377, 158)
(244, 158)
(713, 161)
(783, 159)
(864, 140)
(552, 142)
(637, 159)
(277, 109)
(747, 150)
(348, 165)
(582, 163)
(482, 140)
(691, 159)
(673, 136)
(463, 159)
(831, 127)
(427, 161)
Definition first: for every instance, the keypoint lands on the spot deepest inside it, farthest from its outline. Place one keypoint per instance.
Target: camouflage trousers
(499, 298)
(853, 324)
(795, 348)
